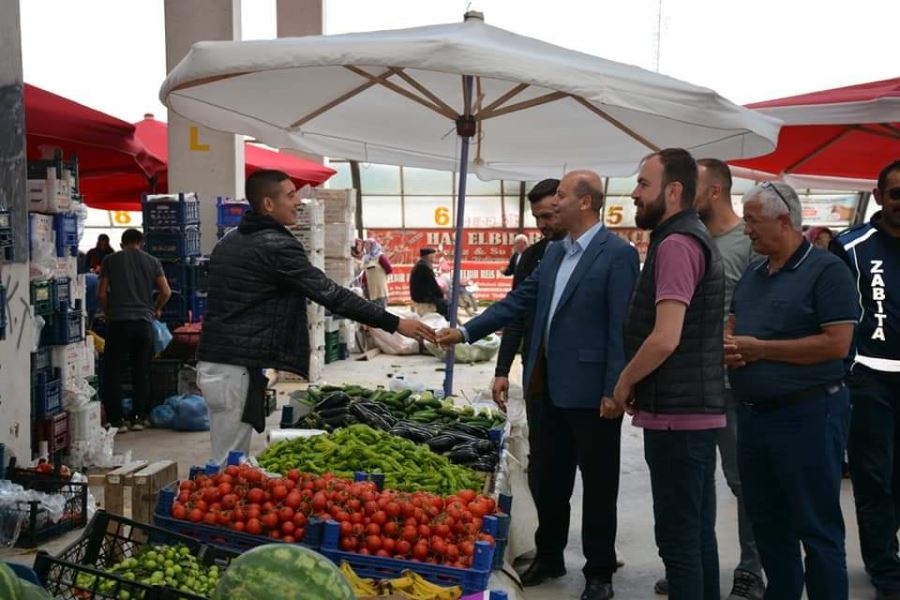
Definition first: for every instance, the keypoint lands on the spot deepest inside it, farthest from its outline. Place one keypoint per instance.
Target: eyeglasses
(893, 193)
(775, 189)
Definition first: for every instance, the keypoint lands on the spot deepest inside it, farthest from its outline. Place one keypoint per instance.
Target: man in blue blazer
(579, 295)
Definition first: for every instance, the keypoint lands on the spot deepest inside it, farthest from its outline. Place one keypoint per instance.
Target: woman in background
(376, 268)
(819, 237)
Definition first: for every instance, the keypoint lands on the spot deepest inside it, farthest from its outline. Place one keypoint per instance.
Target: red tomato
(407, 510)
(356, 518)
(288, 528)
(348, 544)
(232, 470)
(391, 528)
(346, 529)
(373, 543)
(299, 533)
(424, 531)
(279, 492)
(270, 520)
(383, 553)
(225, 488)
(319, 502)
(187, 484)
(371, 507)
(293, 475)
(409, 533)
(358, 529)
(388, 545)
(467, 548)
(253, 511)
(441, 529)
(179, 511)
(300, 519)
(275, 535)
(379, 517)
(256, 496)
(293, 500)
(403, 547)
(289, 539)
(229, 501)
(420, 551)
(452, 552)
(373, 529)
(210, 518)
(466, 495)
(438, 546)
(196, 515)
(238, 526)
(254, 527)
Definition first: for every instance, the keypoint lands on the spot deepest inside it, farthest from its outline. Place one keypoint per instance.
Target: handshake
(418, 330)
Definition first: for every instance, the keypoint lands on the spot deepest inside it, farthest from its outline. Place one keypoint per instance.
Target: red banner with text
(485, 252)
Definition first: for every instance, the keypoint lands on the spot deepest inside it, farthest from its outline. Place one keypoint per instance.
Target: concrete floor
(635, 539)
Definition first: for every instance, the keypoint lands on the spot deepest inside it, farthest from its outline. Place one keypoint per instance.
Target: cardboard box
(147, 484)
(116, 482)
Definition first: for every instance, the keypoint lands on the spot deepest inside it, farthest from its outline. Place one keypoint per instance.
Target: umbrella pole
(465, 127)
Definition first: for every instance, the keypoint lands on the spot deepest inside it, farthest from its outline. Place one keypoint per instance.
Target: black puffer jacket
(692, 379)
(259, 281)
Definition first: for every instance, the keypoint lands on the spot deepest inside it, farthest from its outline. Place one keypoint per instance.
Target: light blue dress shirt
(574, 250)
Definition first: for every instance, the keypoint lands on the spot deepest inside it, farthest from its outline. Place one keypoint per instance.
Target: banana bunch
(410, 585)
(361, 586)
(415, 587)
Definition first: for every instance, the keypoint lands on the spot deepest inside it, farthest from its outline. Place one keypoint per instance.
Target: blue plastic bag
(162, 337)
(162, 416)
(191, 414)
(127, 405)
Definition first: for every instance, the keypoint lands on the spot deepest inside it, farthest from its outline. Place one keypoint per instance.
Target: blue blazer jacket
(585, 350)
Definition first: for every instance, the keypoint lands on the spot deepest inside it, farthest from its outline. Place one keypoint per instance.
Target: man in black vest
(518, 333)
(673, 383)
(423, 286)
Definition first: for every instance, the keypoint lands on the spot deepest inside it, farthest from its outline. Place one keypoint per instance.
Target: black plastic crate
(173, 245)
(66, 227)
(46, 393)
(107, 540)
(6, 236)
(37, 169)
(62, 292)
(42, 297)
(170, 211)
(38, 527)
(164, 379)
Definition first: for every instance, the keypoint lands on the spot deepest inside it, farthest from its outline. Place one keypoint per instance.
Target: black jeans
(571, 438)
(133, 339)
(875, 471)
(682, 478)
(790, 461)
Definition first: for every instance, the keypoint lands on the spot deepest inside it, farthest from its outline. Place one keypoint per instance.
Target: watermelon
(282, 572)
(13, 588)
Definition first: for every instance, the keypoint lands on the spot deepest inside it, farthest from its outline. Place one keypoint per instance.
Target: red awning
(125, 193)
(850, 132)
(106, 147)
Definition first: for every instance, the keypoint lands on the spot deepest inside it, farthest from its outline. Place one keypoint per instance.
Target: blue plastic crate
(471, 580)
(173, 245)
(179, 275)
(229, 214)
(46, 394)
(221, 537)
(65, 326)
(65, 225)
(198, 305)
(170, 211)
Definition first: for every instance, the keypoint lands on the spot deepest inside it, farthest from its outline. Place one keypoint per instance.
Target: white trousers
(224, 388)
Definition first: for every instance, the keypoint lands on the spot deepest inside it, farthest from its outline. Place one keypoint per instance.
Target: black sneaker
(661, 587)
(747, 586)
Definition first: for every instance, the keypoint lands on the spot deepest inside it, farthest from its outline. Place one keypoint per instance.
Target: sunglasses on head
(893, 193)
(774, 188)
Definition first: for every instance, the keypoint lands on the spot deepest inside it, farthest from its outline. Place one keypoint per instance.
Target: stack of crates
(229, 212)
(310, 230)
(340, 233)
(172, 234)
(6, 235)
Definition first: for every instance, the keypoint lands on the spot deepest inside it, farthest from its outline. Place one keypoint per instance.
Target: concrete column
(300, 17)
(15, 357)
(201, 160)
(296, 18)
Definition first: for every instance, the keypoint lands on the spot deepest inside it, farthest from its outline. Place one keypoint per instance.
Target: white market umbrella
(531, 109)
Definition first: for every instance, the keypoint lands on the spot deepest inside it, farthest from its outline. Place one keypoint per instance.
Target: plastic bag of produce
(162, 337)
(162, 416)
(191, 414)
(394, 343)
(481, 351)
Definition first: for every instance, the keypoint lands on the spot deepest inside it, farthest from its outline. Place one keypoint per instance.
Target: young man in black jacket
(259, 281)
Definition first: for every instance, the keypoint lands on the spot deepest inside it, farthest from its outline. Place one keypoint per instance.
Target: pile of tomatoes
(415, 526)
